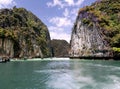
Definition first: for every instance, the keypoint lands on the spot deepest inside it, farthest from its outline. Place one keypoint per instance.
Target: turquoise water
(60, 74)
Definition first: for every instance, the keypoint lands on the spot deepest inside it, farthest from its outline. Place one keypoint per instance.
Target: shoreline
(65, 58)
(95, 58)
(41, 59)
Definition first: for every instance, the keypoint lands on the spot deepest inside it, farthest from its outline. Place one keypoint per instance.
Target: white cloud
(59, 28)
(52, 28)
(62, 25)
(70, 2)
(74, 13)
(60, 35)
(60, 21)
(79, 2)
(55, 3)
(64, 3)
(66, 13)
(7, 3)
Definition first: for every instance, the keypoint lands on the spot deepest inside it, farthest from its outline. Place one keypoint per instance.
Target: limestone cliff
(88, 41)
(96, 32)
(6, 47)
(22, 34)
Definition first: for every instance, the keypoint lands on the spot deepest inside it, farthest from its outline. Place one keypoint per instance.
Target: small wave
(115, 82)
(105, 66)
(52, 71)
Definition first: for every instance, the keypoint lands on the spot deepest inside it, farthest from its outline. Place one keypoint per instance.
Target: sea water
(60, 73)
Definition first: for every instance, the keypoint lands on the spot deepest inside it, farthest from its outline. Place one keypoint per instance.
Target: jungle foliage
(106, 15)
(19, 24)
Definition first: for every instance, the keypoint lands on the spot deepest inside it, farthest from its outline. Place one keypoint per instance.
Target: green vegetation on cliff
(25, 30)
(60, 48)
(105, 14)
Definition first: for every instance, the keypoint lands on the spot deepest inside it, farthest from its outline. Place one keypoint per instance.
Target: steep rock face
(96, 31)
(6, 47)
(88, 40)
(60, 48)
(22, 34)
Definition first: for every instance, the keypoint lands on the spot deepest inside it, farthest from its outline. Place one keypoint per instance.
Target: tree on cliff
(28, 34)
(106, 14)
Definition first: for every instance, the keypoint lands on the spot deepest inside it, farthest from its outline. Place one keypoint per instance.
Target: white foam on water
(52, 71)
(105, 66)
(40, 59)
(112, 86)
(65, 79)
(62, 81)
(112, 83)
(34, 59)
(86, 80)
(60, 58)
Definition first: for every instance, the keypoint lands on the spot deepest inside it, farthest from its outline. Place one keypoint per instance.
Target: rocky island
(96, 32)
(22, 34)
(60, 48)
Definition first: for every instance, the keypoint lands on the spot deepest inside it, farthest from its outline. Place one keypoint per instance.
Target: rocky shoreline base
(96, 58)
(4, 60)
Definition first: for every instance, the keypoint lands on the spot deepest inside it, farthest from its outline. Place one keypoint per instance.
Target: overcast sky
(58, 15)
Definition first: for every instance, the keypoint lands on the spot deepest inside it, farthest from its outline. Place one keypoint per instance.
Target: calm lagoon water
(60, 74)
